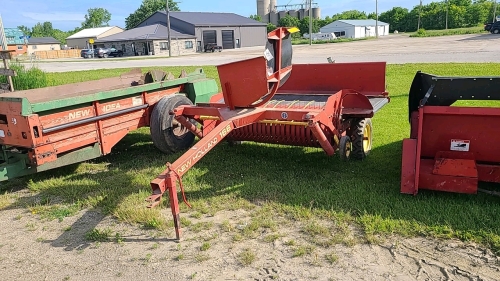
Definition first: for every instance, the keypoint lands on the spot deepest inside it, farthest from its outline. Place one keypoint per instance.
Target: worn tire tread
(357, 136)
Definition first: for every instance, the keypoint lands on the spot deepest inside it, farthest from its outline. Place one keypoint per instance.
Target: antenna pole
(168, 31)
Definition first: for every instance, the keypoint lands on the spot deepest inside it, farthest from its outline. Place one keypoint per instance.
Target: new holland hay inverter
(451, 148)
(267, 99)
(45, 128)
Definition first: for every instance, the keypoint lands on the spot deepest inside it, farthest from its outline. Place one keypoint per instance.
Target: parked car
(106, 52)
(211, 47)
(115, 52)
(86, 53)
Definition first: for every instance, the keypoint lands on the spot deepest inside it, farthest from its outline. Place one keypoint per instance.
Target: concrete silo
(273, 13)
(293, 13)
(274, 17)
(302, 14)
(316, 13)
(263, 9)
(282, 14)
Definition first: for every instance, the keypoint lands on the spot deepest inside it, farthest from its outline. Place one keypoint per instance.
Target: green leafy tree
(304, 26)
(24, 29)
(397, 18)
(147, 8)
(350, 15)
(372, 16)
(288, 21)
(477, 13)
(96, 17)
(271, 27)
(256, 17)
(42, 30)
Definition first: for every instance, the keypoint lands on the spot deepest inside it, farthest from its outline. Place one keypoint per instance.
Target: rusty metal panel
(76, 89)
(66, 117)
(15, 130)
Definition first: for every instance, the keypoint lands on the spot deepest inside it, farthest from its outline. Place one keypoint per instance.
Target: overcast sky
(66, 15)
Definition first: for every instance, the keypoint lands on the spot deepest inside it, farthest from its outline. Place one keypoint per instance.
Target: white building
(355, 28)
(80, 40)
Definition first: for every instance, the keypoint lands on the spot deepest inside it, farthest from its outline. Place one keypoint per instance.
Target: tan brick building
(43, 44)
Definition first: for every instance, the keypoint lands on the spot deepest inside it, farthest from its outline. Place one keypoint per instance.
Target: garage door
(209, 36)
(228, 39)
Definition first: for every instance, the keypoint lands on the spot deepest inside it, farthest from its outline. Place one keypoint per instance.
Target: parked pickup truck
(211, 47)
(495, 28)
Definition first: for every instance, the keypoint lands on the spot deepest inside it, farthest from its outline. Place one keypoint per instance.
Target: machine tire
(361, 134)
(105, 56)
(345, 148)
(167, 135)
(495, 31)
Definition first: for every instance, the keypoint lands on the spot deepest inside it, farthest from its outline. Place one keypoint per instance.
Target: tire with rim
(167, 134)
(105, 55)
(345, 148)
(496, 31)
(361, 134)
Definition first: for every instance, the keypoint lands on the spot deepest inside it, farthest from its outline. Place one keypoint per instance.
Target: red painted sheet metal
(243, 82)
(367, 78)
(461, 129)
(455, 167)
(488, 173)
(408, 166)
(431, 181)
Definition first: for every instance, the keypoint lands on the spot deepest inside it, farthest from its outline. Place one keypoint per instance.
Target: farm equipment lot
(259, 212)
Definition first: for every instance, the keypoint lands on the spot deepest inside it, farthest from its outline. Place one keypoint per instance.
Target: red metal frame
(248, 110)
(451, 149)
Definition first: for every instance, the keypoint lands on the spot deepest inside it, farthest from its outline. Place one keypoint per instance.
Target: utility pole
(310, 23)
(495, 11)
(376, 18)
(168, 30)
(446, 27)
(419, 12)
(3, 39)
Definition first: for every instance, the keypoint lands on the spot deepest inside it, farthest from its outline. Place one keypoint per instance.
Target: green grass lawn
(301, 184)
(445, 32)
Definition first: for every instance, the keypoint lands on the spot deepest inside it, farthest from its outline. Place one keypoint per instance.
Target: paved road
(394, 49)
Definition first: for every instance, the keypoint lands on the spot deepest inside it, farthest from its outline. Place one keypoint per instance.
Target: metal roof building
(356, 28)
(42, 40)
(80, 40)
(228, 30)
(150, 39)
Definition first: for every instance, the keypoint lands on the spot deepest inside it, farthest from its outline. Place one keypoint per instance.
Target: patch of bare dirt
(33, 249)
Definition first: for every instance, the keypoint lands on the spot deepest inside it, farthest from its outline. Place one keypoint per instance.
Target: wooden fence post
(5, 56)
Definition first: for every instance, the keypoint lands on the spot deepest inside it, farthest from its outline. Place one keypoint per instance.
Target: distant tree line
(98, 17)
(461, 13)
